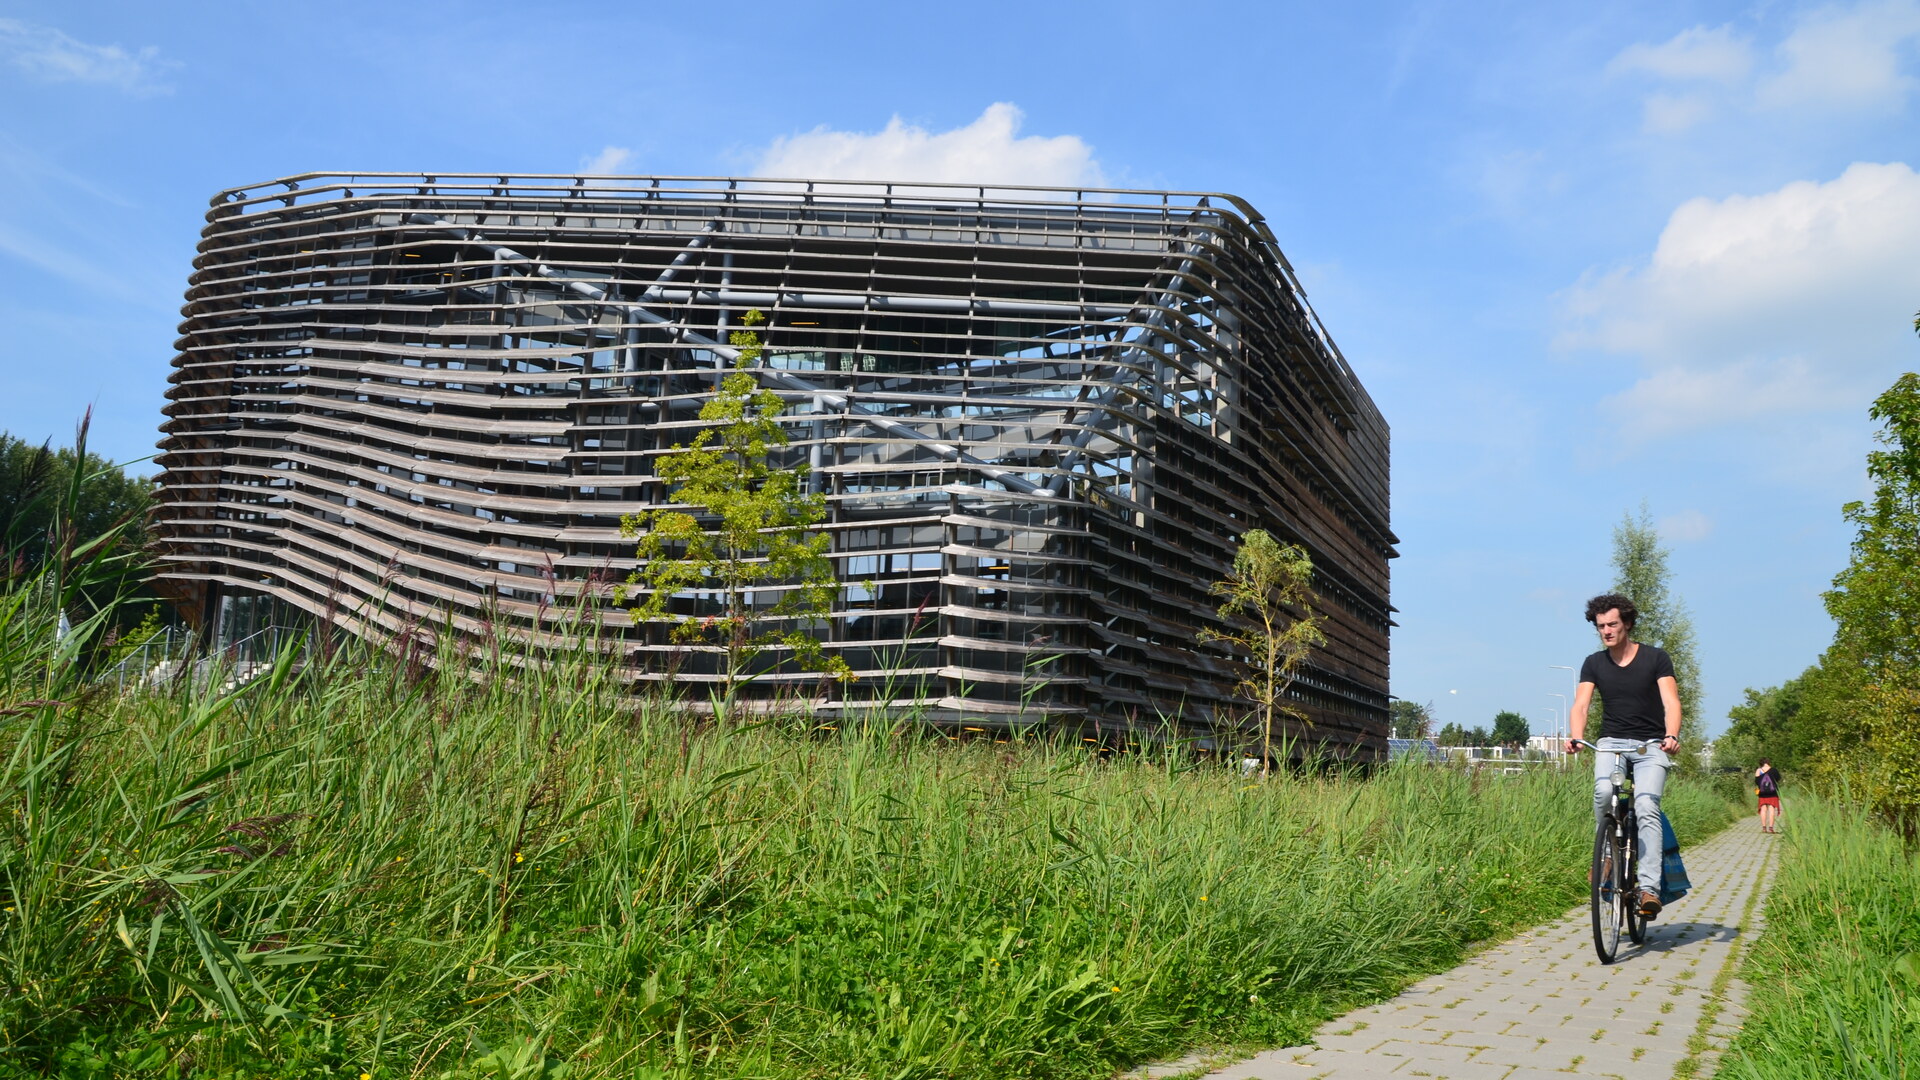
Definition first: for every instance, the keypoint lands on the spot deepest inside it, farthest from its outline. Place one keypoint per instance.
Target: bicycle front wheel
(1604, 885)
(1630, 886)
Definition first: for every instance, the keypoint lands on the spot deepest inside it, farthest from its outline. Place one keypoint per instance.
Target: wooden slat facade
(1040, 417)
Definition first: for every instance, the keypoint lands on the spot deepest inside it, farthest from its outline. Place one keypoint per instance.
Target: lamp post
(1562, 714)
(1567, 722)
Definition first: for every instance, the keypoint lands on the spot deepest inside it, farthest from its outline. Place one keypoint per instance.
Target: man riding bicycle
(1640, 702)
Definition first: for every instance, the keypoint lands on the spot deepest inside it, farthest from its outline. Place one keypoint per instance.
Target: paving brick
(1359, 1043)
(1657, 1061)
(1313, 1064)
(1526, 1072)
(1532, 1055)
(1455, 1070)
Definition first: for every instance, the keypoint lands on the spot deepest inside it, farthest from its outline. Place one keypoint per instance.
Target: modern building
(1040, 418)
(1416, 749)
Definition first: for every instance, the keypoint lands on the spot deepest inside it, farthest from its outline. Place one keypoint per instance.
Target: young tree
(752, 533)
(1409, 719)
(1875, 603)
(79, 519)
(34, 478)
(1266, 602)
(1510, 729)
(1453, 734)
(1641, 574)
(1769, 723)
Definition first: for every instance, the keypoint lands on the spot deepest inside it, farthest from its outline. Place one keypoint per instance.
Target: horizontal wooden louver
(1041, 419)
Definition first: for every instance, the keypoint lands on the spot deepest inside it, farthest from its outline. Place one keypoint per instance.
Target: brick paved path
(1542, 1006)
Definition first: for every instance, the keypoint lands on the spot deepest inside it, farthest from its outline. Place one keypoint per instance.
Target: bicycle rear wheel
(1604, 885)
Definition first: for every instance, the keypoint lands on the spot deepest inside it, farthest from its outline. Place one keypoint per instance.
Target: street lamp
(1565, 719)
(1567, 722)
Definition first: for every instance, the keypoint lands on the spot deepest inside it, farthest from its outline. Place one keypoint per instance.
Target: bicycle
(1613, 884)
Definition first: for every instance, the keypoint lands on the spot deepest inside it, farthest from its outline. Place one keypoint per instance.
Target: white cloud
(1513, 183)
(1834, 58)
(1676, 399)
(1712, 54)
(1671, 114)
(1846, 58)
(607, 162)
(1790, 302)
(51, 56)
(990, 150)
(62, 262)
(1686, 527)
(1711, 60)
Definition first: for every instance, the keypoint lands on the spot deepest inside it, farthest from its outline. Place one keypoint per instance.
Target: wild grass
(526, 872)
(1836, 974)
(513, 867)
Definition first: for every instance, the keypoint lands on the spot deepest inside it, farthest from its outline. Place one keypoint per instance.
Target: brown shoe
(1649, 903)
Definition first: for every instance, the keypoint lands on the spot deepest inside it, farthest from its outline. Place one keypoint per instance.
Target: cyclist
(1640, 702)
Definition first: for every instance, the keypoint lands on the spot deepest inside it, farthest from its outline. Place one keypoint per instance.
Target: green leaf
(1907, 966)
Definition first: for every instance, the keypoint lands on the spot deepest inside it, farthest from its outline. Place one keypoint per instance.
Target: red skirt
(1770, 800)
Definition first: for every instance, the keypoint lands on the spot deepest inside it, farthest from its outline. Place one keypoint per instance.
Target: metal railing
(176, 653)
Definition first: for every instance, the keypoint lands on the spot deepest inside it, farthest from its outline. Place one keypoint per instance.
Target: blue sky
(1581, 258)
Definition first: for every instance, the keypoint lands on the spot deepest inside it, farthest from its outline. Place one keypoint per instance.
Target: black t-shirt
(1630, 696)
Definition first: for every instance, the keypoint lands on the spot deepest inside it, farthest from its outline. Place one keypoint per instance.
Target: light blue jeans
(1649, 783)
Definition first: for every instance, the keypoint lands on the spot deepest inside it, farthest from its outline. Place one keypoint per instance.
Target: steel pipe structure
(1041, 419)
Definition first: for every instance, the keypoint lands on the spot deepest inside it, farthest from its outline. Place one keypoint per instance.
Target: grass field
(1836, 975)
(343, 871)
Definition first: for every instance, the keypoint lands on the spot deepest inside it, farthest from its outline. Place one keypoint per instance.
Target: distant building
(1418, 749)
(1041, 419)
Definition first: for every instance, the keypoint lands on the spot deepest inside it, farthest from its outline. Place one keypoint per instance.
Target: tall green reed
(517, 866)
(1836, 974)
(505, 864)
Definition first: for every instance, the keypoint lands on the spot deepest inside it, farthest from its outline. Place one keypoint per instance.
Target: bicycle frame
(1615, 873)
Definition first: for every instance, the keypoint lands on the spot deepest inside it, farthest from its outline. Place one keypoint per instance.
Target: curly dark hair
(1606, 602)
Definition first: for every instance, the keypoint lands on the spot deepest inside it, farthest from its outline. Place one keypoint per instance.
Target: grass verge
(1836, 975)
(527, 873)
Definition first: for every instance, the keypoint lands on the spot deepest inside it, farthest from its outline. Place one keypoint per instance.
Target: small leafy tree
(1274, 627)
(1773, 723)
(1873, 722)
(1510, 729)
(1409, 719)
(33, 479)
(1453, 735)
(1641, 574)
(753, 531)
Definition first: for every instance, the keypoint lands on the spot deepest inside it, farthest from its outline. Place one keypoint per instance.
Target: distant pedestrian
(1766, 785)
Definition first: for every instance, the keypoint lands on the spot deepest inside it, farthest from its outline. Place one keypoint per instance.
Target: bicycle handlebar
(1641, 749)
